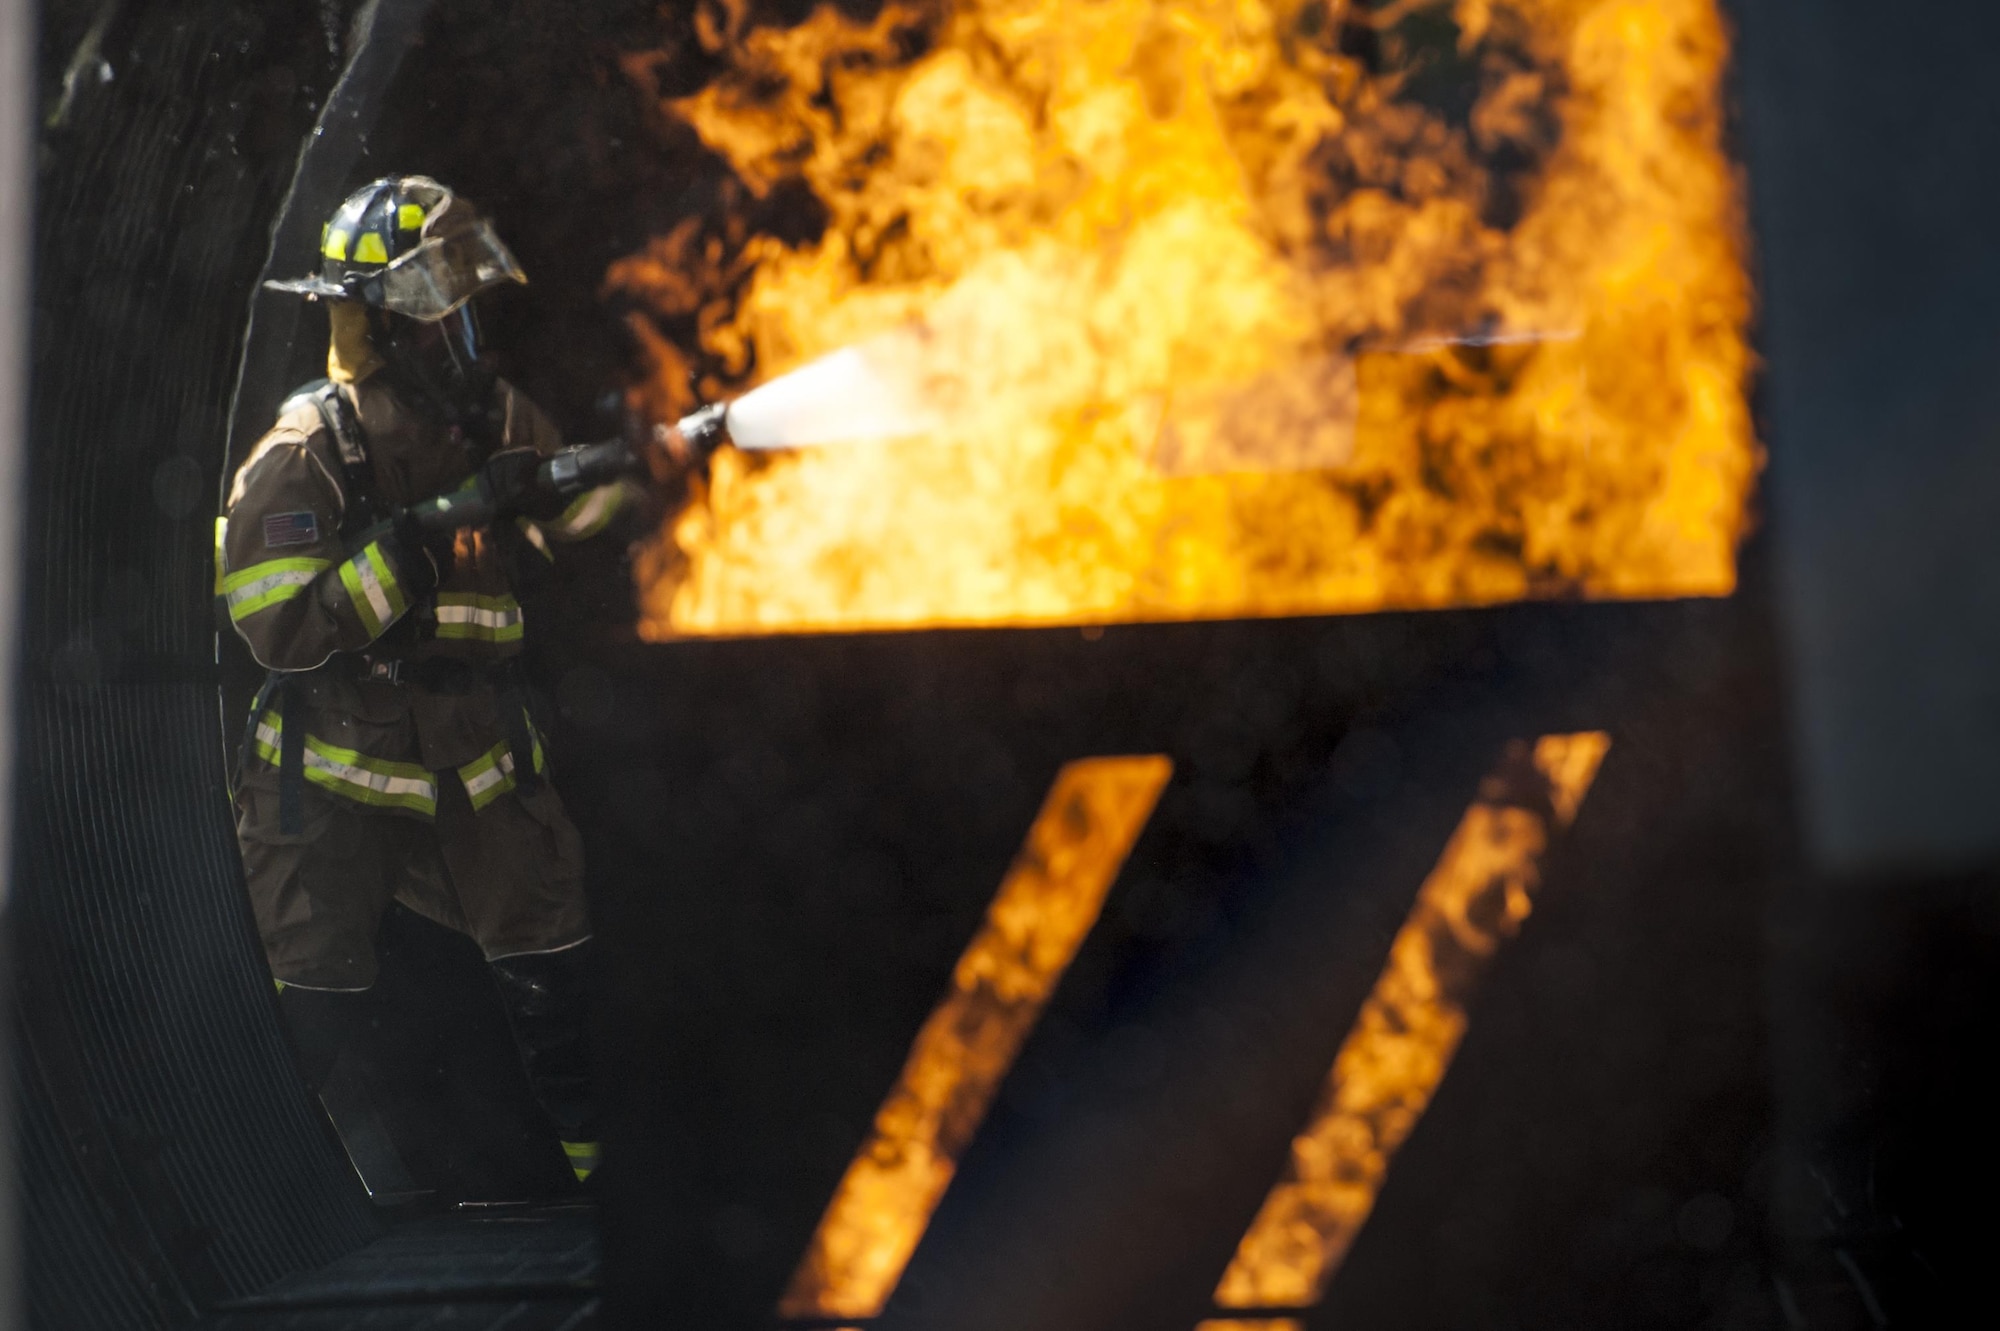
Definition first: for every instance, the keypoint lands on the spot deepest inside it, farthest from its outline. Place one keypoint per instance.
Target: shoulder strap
(273, 682)
(351, 441)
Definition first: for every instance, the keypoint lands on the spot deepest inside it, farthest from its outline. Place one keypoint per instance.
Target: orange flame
(1409, 1028)
(1224, 315)
(1046, 904)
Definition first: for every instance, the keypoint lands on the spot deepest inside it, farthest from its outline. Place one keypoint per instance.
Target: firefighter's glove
(510, 482)
(419, 561)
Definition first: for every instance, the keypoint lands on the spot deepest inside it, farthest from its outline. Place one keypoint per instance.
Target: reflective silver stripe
(470, 617)
(496, 770)
(478, 616)
(533, 531)
(328, 765)
(544, 951)
(491, 774)
(371, 586)
(590, 512)
(260, 590)
(268, 583)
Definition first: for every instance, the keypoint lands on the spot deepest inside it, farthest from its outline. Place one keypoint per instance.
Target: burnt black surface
(1885, 1003)
(792, 841)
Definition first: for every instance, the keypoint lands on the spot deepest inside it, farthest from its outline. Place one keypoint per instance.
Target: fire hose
(666, 452)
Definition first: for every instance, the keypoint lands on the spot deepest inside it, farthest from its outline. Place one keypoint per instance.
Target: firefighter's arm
(575, 517)
(293, 593)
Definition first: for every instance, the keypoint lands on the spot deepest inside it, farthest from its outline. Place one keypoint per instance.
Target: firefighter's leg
(517, 865)
(322, 1023)
(547, 999)
(318, 895)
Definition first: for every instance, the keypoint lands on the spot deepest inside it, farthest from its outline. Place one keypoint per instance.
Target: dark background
(1878, 285)
(1758, 984)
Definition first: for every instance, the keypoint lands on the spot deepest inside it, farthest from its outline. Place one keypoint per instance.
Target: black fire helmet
(407, 245)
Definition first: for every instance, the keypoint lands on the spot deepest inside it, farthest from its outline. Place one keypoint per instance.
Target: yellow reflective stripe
(336, 245)
(372, 587)
(264, 585)
(533, 531)
(491, 774)
(448, 632)
(409, 217)
(370, 249)
(583, 1158)
(502, 604)
(221, 534)
(243, 577)
(488, 776)
(590, 513)
(470, 617)
(375, 781)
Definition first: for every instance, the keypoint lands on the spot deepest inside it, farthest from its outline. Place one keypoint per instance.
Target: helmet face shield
(445, 271)
(409, 246)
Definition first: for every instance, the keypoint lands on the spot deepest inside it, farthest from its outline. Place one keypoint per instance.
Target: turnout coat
(414, 764)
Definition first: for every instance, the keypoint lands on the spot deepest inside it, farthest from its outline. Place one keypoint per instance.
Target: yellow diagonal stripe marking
(1045, 907)
(1393, 1059)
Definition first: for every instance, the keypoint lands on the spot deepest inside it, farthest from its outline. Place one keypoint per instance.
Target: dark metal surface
(1880, 287)
(172, 1157)
(489, 1254)
(565, 1314)
(1865, 135)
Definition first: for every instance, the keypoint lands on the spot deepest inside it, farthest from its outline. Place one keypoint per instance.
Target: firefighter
(391, 754)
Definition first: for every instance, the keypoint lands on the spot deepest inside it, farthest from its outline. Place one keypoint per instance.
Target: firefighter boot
(547, 1000)
(322, 1022)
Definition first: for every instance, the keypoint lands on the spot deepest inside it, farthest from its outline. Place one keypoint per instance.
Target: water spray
(857, 394)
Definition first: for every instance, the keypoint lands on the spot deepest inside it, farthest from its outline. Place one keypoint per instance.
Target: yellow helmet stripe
(336, 245)
(370, 249)
(409, 217)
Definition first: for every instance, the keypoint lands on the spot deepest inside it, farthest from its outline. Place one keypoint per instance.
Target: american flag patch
(283, 529)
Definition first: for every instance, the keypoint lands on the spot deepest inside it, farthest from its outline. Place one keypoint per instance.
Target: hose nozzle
(693, 439)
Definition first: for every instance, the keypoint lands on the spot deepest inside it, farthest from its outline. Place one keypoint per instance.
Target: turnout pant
(509, 876)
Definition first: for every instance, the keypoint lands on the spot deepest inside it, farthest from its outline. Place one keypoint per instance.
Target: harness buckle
(383, 672)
